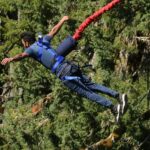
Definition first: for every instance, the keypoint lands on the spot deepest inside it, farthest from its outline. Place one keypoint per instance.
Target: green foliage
(70, 122)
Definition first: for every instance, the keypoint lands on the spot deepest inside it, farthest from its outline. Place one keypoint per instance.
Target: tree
(113, 44)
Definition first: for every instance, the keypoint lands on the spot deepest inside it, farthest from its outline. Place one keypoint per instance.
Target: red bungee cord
(78, 32)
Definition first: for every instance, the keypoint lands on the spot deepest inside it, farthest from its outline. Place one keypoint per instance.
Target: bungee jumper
(68, 72)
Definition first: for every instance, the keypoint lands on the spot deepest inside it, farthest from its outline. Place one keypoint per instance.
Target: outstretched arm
(58, 26)
(15, 58)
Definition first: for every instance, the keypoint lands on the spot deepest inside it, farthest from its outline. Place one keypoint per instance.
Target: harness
(56, 59)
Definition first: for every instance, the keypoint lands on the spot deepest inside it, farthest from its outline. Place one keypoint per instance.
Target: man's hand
(15, 58)
(65, 18)
(57, 27)
(6, 61)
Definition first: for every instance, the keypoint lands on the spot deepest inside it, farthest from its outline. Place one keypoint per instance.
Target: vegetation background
(117, 45)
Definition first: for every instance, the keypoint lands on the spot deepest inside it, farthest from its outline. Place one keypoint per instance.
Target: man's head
(27, 38)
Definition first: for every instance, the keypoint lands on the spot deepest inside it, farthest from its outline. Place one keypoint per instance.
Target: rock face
(135, 62)
(1, 109)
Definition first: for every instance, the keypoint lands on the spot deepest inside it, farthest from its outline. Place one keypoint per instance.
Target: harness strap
(39, 53)
(40, 48)
(58, 59)
(71, 78)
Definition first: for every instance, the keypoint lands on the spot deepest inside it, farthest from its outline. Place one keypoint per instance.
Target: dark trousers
(88, 89)
(83, 86)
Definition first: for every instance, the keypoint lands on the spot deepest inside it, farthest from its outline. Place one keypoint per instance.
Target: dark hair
(28, 37)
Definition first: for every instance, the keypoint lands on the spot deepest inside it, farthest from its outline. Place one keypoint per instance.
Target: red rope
(78, 32)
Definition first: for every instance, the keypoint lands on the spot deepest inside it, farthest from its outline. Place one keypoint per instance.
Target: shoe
(123, 99)
(116, 111)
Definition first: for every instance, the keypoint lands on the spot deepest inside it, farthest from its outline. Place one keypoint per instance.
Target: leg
(99, 88)
(81, 89)
(103, 89)
(122, 98)
(66, 46)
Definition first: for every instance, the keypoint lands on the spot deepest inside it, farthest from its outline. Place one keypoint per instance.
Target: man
(69, 73)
